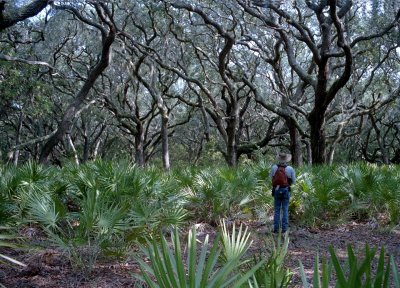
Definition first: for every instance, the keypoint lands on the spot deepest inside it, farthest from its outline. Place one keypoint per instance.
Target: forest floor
(51, 268)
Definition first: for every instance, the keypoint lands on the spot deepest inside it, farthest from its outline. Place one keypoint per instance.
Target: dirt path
(49, 268)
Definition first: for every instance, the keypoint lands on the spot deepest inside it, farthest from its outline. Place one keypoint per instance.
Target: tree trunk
(68, 118)
(73, 108)
(96, 149)
(379, 139)
(295, 143)
(139, 146)
(331, 155)
(231, 156)
(165, 146)
(308, 149)
(71, 144)
(396, 157)
(316, 120)
(18, 138)
(86, 150)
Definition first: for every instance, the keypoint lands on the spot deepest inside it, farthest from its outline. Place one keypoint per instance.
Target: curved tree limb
(384, 31)
(342, 43)
(25, 61)
(12, 17)
(108, 33)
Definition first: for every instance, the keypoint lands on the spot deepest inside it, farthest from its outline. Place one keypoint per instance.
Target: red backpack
(280, 178)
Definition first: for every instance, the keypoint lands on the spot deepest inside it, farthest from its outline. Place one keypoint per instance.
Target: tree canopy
(200, 81)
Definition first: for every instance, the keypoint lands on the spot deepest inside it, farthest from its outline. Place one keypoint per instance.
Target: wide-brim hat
(283, 157)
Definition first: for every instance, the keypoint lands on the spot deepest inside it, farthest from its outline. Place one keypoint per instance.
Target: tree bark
(69, 115)
(231, 145)
(322, 53)
(10, 18)
(139, 146)
(380, 140)
(86, 150)
(18, 138)
(316, 120)
(164, 141)
(71, 144)
(295, 143)
(163, 110)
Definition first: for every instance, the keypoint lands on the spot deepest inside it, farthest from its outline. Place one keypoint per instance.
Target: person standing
(283, 176)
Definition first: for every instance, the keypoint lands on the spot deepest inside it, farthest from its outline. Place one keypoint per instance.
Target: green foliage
(354, 273)
(235, 245)
(273, 273)
(344, 192)
(167, 266)
(29, 189)
(22, 80)
(90, 206)
(322, 193)
(7, 239)
(6, 203)
(222, 193)
(148, 200)
(395, 271)
(116, 201)
(358, 271)
(103, 206)
(321, 276)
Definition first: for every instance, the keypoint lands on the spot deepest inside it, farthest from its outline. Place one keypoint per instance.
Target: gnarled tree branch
(10, 17)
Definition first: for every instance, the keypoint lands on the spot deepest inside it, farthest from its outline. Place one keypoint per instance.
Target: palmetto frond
(201, 269)
(321, 192)
(223, 192)
(235, 244)
(43, 209)
(273, 273)
(7, 239)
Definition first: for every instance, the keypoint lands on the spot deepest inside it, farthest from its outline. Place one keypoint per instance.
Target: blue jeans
(281, 206)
